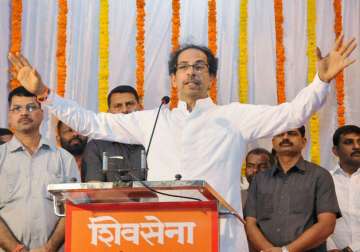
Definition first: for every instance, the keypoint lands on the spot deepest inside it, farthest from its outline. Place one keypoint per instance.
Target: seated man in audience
(122, 157)
(71, 141)
(5, 135)
(293, 205)
(256, 160)
(346, 175)
(28, 163)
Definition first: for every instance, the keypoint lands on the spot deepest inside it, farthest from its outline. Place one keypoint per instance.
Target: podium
(132, 217)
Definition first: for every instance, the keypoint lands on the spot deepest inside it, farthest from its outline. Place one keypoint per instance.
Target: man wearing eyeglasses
(28, 163)
(198, 139)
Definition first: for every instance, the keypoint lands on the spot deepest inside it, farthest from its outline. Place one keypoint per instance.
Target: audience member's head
(346, 146)
(25, 113)
(71, 140)
(256, 160)
(290, 143)
(5, 135)
(123, 99)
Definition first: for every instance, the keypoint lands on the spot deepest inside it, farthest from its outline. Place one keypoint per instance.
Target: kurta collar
(337, 170)
(200, 105)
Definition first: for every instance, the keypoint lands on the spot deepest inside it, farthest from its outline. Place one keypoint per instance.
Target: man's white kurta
(207, 143)
(347, 229)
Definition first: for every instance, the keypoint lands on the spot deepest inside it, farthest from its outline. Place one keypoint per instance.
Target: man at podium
(198, 139)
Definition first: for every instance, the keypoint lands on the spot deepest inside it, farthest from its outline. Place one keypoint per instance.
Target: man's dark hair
(122, 89)
(5, 131)
(344, 130)
(212, 60)
(302, 130)
(261, 151)
(58, 126)
(19, 91)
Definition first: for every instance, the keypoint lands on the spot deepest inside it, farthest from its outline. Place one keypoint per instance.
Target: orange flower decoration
(340, 77)
(15, 37)
(280, 51)
(140, 47)
(175, 44)
(212, 41)
(61, 47)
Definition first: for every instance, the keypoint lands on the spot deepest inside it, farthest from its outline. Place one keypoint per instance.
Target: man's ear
(305, 140)
(335, 151)
(58, 139)
(173, 82)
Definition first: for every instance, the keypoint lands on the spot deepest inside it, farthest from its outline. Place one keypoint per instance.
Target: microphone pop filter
(165, 100)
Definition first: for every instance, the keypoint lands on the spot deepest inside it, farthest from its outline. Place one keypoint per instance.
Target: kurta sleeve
(125, 128)
(256, 121)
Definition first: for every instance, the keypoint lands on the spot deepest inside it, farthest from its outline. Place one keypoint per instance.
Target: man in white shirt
(28, 164)
(346, 175)
(198, 139)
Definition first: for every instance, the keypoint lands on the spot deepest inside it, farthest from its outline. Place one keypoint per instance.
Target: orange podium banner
(145, 227)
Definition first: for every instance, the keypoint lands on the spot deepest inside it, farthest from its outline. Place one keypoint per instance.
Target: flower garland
(243, 53)
(280, 51)
(212, 39)
(140, 47)
(103, 55)
(340, 93)
(61, 46)
(175, 44)
(311, 49)
(15, 39)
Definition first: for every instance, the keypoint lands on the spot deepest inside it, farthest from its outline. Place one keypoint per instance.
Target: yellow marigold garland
(175, 44)
(280, 51)
(340, 93)
(15, 37)
(311, 53)
(140, 47)
(103, 55)
(212, 40)
(61, 46)
(243, 53)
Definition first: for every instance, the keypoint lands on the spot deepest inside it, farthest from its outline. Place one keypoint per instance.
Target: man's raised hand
(27, 76)
(337, 60)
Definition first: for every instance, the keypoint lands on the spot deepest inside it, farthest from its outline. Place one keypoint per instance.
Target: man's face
(256, 163)
(72, 141)
(25, 114)
(348, 150)
(123, 103)
(192, 82)
(289, 143)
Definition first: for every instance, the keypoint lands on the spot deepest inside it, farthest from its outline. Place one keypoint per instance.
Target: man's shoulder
(105, 144)
(63, 153)
(315, 168)
(265, 175)
(100, 143)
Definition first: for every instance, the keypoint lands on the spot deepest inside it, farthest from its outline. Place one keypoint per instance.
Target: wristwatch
(347, 249)
(284, 249)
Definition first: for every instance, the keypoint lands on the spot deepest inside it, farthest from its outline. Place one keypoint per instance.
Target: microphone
(165, 100)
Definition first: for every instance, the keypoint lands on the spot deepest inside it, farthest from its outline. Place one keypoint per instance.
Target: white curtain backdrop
(39, 45)
(4, 48)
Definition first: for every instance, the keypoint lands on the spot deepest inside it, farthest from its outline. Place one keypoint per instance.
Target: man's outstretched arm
(106, 126)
